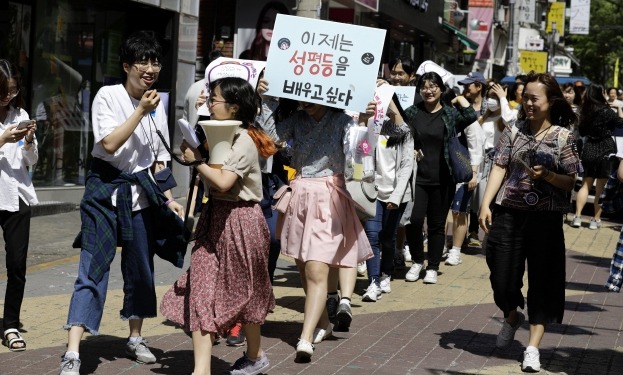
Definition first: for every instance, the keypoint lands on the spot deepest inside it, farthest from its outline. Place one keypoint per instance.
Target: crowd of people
(527, 144)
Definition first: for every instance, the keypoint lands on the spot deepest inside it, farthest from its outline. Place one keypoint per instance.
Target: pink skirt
(227, 281)
(321, 224)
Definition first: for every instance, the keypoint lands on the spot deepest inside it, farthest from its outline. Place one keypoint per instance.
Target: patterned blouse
(556, 151)
(318, 148)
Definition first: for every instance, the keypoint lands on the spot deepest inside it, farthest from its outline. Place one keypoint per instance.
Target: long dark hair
(8, 71)
(240, 92)
(560, 112)
(594, 100)
(258, 46)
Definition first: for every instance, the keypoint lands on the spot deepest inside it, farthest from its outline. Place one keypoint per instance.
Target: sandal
(10, 343)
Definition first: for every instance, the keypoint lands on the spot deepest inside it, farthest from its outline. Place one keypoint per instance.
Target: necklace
(149, 138)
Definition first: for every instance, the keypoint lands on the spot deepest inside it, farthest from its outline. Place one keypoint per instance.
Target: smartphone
(24, 124)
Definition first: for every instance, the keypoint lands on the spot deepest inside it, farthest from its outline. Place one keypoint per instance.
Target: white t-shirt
(111, 107)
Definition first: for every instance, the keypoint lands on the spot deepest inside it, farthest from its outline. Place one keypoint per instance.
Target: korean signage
(579, 16)
(556, 14)
(324, 62)
(526, 9)
(479, 30)
(533, 60)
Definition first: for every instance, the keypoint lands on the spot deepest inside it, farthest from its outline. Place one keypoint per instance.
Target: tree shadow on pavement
(288, 332)
(480, 344)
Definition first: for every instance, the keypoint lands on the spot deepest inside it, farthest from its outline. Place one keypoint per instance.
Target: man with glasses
(119, 195)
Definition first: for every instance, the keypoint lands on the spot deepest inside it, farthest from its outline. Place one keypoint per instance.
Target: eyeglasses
(12, 94)
(143, 66)
(431, 89)
(212, 102)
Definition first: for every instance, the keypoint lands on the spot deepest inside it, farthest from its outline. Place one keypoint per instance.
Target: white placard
(324, 62)
(188, 133)
(406, 95)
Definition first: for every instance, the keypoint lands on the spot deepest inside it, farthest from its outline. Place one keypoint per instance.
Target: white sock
(532, 349)
(345, 300)
(134, 340)
(76, 354)
(457, 248)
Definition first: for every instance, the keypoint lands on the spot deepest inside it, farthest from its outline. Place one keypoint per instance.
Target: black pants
(431, 202)
(16, 232)
(517, 237)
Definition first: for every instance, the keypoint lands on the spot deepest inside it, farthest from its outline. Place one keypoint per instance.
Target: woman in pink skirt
(227, 281)
(320, 227)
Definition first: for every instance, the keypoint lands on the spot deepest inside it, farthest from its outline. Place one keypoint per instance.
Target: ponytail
(263, 142)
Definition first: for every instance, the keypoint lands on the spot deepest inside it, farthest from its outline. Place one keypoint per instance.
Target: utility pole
(552, 49)
(510, 46)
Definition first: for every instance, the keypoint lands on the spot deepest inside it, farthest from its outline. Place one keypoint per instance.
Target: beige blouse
(245, 162)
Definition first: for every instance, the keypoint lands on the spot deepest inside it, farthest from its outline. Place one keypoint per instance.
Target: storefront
(68, 49)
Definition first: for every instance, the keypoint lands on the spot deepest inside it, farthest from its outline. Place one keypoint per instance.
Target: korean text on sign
(336, 67)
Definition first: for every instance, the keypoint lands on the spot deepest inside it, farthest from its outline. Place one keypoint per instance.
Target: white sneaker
(373, 293)
(531, 360)
(361, 269)
(431, 277)
(454, 257)
(304, 351)
(577, 222)
(321, 334)
(414, 272)
(385, 286)
(444, 253)
(595, 224)
(406, 253)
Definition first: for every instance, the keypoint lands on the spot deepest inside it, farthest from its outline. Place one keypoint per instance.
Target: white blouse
(15, 181)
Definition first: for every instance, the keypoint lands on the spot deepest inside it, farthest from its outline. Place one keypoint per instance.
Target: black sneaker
(332, 309)
(344, 316)
(236, 336)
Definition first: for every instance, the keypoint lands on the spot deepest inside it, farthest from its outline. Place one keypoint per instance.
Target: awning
(463, 38)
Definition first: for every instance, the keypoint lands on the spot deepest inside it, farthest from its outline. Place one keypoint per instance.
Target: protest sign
(324, 62)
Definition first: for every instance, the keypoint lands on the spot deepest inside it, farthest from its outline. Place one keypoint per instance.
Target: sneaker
(361, 269)
(236, 336)
(139, 351)
(344, 316)
(246, 366)
(331, 305)
(431, 277)
(70, 365)
(531, 360)
(507, 333)
(444, 252)
(321, 334)
(473, 241)
(454, 258)
(414, 272)
(406, 253)
(577, 222)
(373, 293)
(304, 351)
(385, 286)
(425, 237)
(595, 224)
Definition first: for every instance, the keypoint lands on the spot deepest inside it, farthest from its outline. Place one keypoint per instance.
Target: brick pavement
(447, 328)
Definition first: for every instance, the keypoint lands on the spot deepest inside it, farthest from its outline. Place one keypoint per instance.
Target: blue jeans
(381, 232)
(137, 268)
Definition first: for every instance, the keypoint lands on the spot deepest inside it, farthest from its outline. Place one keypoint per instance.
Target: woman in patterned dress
(227, 281)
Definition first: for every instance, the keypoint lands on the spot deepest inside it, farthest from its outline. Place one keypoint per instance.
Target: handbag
(364, 196)
(459, 160)
(165, 180)
(281, 199)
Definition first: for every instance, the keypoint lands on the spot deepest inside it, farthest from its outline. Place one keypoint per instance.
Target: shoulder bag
(459, 160)
(364, 195)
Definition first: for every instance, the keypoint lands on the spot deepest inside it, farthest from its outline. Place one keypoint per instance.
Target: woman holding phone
(18, 151)
(533, 171)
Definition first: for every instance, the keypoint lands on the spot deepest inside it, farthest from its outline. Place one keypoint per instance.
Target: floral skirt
(227, 281)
